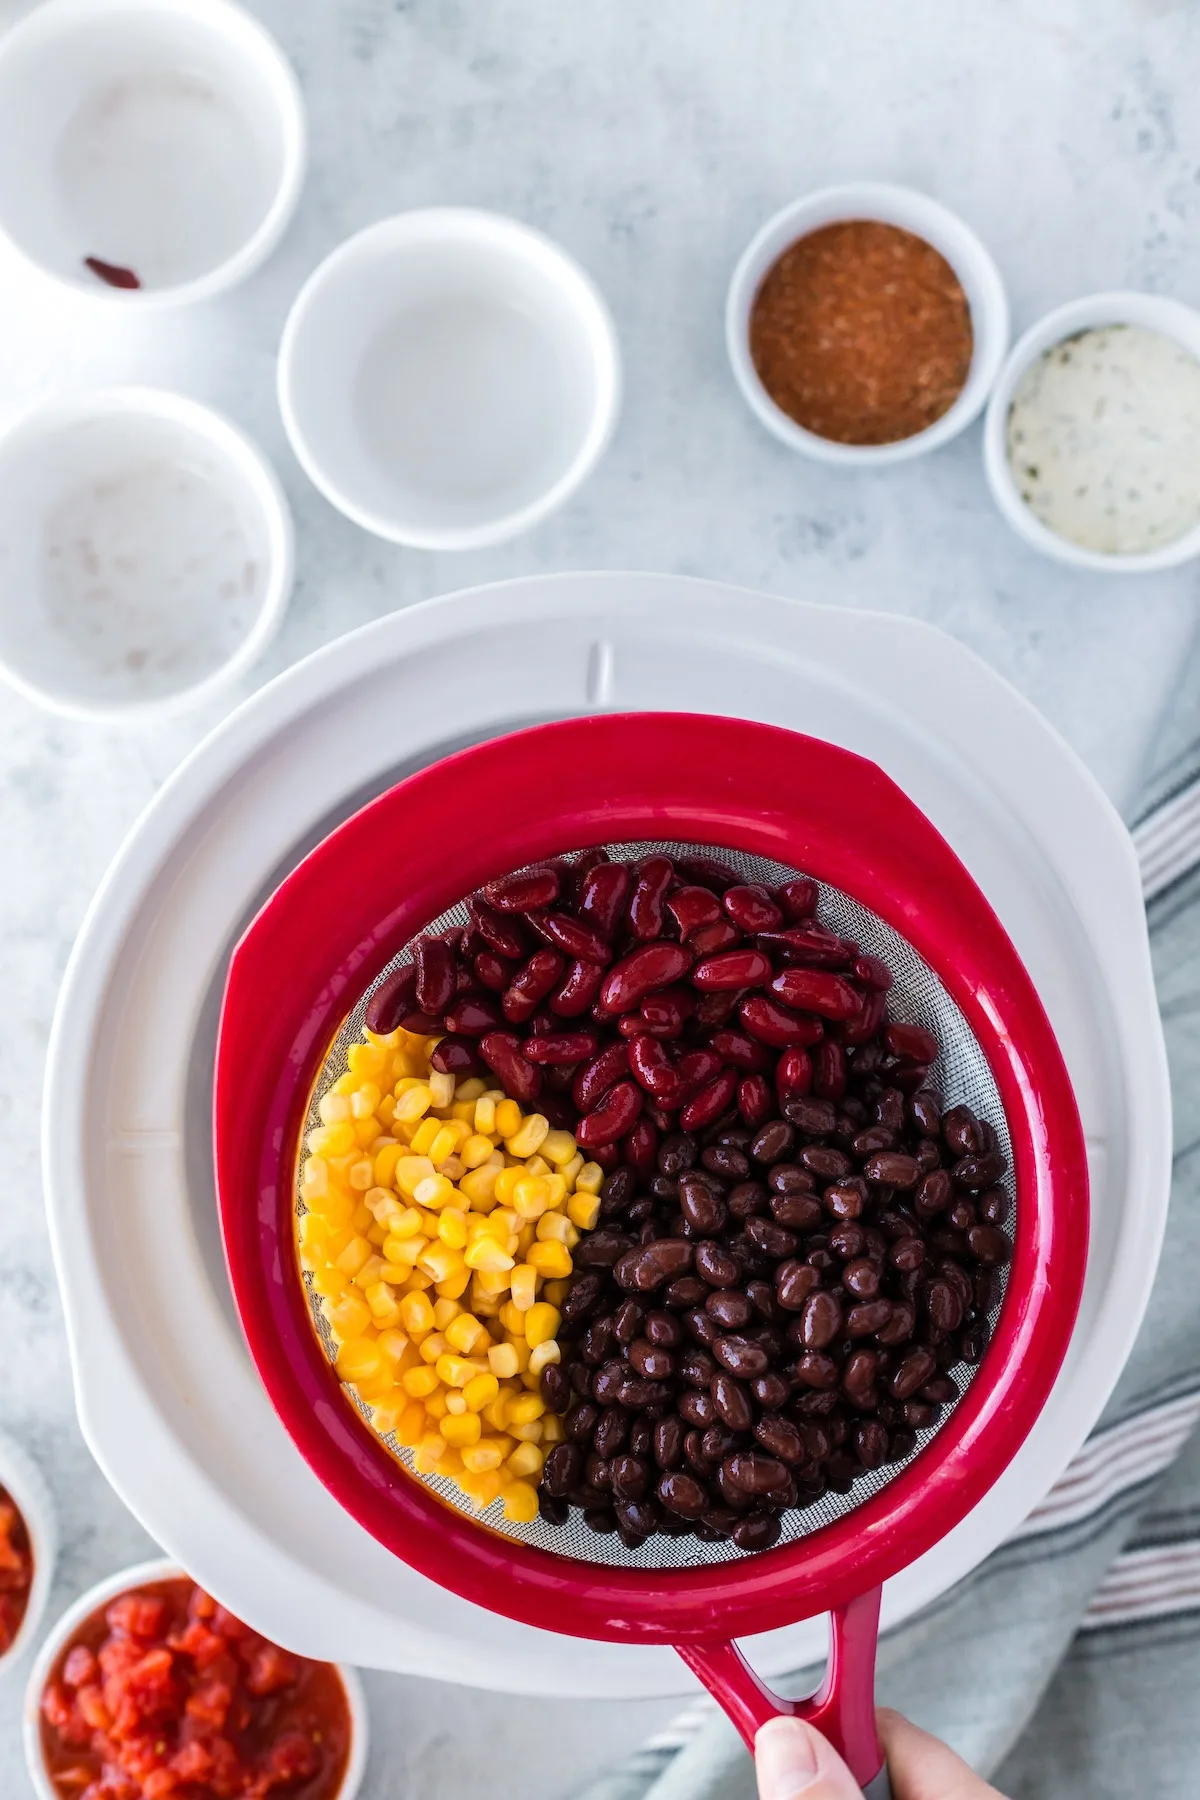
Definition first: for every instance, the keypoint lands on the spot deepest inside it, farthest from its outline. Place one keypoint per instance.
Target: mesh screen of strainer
(961, 1074)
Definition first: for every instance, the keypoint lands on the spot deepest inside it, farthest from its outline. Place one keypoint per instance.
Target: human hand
(792, 1759)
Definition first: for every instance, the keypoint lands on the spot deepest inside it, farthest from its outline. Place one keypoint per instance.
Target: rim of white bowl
(1157, 312)
(465, 223)
(52, 18)
(27, 1486)
(139, 1575)
(891, 204)
(259, 481)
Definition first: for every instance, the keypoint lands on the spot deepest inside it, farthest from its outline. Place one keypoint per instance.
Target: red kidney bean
(698, 1068)
(530, 985)
(574, 938)
(611, 1118)
(693, 906)
(751, 908)
(560, 1047)
(814, 1117)
(911, 1041)
(829, 1070)
(731, 969)
(502, 1052)
(596, 1077)
(773, 1024)
(454, 1056)
(651, 966)
(814, 990)
(391, 1000)
(644, 912)
(601, 897)
(665, 1014)
(577, 991)
(710, 1102)
(707, 940)
(742, 1051)
(524, 891)
(809, 947)
(503, 935)
(870, 1015)
(755, 1101)
(872, 973)
(434, 964)
(798, 898)
(493, 972)
(654, 1070)
(793, 1074)
(473, 1014)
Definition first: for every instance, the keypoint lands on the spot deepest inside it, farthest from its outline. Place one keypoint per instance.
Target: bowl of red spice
(28, 1542)
(866, 324)
(149, 1689)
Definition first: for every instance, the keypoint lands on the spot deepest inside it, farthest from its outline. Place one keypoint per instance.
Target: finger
(921, 1767)
(792, 1759)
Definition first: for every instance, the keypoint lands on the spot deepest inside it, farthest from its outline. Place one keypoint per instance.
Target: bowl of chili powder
(866, 324)
(149, 1689)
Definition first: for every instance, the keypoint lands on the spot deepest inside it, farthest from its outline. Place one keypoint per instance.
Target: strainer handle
(843, 1707)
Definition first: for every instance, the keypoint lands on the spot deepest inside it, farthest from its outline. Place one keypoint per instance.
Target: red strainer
(771, 801)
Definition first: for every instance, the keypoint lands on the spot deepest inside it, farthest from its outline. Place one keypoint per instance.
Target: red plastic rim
(369, 887)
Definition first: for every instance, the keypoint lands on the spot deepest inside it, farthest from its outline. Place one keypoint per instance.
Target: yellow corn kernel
(506, 1183)
(475, 1150)
(493, 1283)
(529, 1137)
(525, 1409)
(522, 1353)
(410, 1427)
(454, 1286)
(412, 1104)
(387, 1412)
(496, 1411)
(425, 1134)
(463, 1430)
(354, 1255)
(401, 1255)
(470, 1089)
(442, 1146)
(420, 1383)
(433, 1346)
(523, 1284)
(556, 1291)
(531, 1197)
(410, 1172)
(553, 1430)
(329, 1282)
(315, 1179)
(455, 1403)
(570, 1170)
(528, 1434)
(502, 1359)
(479, 1186)
(508, 1119)
(452, 1465)
(365, 1060)
(583, 1210)
(486, 1454)
(590, 1178)
(368, 1275)
(362, 1175)
(485, 1115)
(441, 1088)
(466, 1335)
(520, 1503)
(444, 1311)
(526, 1459)
(452, 1228)
(440, 1261)
(435, 1405)
(332, 1140)
(524, 1237)
(429, 1453)
(417, 1282)
(512, 1319)
(480, 1391)
(541, 1323)
(548, 1351)
(385, 1163)
(382, 1304)
(393, 1343)
(359, 1359)
(365, 1099)
(434, 1192)
(554, 1225)
(456, 1371)
(558, 1147)
(481, 1489)
(550, 1259)
(349, 1316)
(486, 1255)
(416, 1314)
(362, 1220)
(405, 1223)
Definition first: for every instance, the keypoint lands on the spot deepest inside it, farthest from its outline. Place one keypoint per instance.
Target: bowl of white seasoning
(145, 553)
(1092, 438)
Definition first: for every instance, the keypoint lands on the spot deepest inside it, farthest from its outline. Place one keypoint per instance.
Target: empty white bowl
(1171, 319)
(925, 218)
(23, 1481)
(100, 1595)
(163, 137)
(448, 377)
(145, 552)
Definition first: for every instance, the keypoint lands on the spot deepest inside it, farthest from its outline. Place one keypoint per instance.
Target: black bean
(773, 1142)
(668, 1442)
(871, 1443)
(580, 1422)
(960, 1128)
(741, 1356)
(816, 1118)
(770, 1390)
(627, 1321)
(868, 1317)
(729, 1309)
(758, 1531)
(697, 1407)
(794, 1282)
(555, 1388)
(562, 1469)
(677, 1152)
(715, 1265)
(727, 1161)
(683, 1494)
(799, 1212)
(755, 1474)
(732, 1401)
(780, 1438)
(820, 1321)
(611, 1431)
(685, 1291)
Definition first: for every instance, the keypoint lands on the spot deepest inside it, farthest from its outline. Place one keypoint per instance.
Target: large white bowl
(168, 1399)
(99, 1595)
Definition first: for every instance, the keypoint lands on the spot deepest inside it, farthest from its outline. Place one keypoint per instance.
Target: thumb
(791, 1759)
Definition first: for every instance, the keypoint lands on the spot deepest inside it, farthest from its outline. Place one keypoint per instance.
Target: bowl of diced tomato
(27, 1551)
(148, 1689)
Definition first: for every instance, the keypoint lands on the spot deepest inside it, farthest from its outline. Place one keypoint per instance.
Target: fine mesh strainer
(774, 803)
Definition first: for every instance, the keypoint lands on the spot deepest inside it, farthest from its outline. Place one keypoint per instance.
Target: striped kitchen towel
(1067, 1666)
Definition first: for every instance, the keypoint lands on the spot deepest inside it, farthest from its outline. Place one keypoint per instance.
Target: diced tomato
(56, 1706)
(92, 1710)
(117, 1656)
(271, 1670)
(80, 1666)
(201, 1605)
(226, 1626)
(210, 1703)
(136, 1615)
(194, 1762)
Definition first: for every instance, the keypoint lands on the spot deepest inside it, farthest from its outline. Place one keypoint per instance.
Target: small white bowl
(23, 1480)
(448, 377)
(166, 137)
(925, 218)
(1168, 317)
(145, 553)
(99, 1596)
